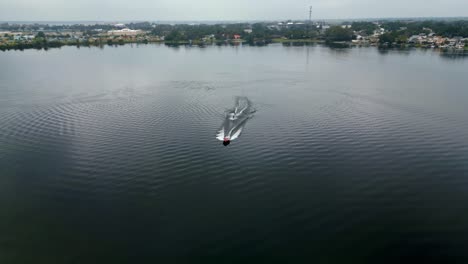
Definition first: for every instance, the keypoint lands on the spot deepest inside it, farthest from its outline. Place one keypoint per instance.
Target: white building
(124, 32)
(23, 37)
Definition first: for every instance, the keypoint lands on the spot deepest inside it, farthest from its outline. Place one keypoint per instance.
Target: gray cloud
(98, 10)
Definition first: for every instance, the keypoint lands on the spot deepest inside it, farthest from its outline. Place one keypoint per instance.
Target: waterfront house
(439, 41)
(452, 42)
(458, 38)
(414, 39)
(208, 38)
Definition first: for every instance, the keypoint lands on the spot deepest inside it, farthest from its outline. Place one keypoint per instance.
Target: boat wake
(235, 120)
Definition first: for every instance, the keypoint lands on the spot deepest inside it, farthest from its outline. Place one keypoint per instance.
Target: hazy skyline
(153, 10)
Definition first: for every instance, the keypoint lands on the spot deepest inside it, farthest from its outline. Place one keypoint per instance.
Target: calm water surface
(354, 155)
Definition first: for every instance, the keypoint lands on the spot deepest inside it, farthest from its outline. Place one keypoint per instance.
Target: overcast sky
(154, 10)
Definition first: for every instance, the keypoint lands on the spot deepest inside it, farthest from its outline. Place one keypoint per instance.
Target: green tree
(367, 27)
(40, 34)
(387, 38)
(401, 39)
(176, 35)
(338, 33)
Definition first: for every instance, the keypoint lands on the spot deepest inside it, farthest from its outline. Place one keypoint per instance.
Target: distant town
(444, 35)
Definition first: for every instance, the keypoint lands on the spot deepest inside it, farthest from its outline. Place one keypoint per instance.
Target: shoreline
(198, 43)
(448, 35)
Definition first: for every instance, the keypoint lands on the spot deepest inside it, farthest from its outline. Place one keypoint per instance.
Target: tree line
(255, 33)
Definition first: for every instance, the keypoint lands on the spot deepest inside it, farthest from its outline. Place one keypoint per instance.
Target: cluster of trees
(393, 37)
(260, 32)
(408, 28)
(46, 27)
(197, 32)
(442, 28)
(399, 32)
(339, 33)
(367, 28)
(39, 42)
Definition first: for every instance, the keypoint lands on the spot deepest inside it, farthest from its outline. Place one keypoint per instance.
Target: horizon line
(236, 20)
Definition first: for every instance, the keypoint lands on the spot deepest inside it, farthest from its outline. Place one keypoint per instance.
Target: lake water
(353, 156)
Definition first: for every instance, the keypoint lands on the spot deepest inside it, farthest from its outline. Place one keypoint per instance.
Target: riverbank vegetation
(443, 34)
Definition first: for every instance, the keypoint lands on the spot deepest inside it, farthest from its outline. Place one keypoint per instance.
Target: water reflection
(446, 54)
(338, 45)
(350, 154)
(454, 54)
(400, 51)
(298, 44)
